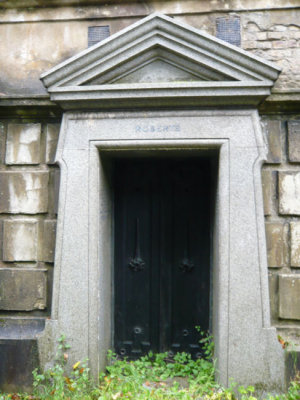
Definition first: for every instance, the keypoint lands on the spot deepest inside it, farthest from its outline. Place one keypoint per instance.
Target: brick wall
(28, 207)
(281, 189)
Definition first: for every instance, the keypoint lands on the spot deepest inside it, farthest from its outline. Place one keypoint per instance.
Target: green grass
(155, 377)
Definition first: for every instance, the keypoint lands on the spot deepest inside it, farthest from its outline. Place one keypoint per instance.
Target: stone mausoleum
(150, 182)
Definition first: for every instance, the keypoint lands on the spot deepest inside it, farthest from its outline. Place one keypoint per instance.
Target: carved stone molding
(160, 62)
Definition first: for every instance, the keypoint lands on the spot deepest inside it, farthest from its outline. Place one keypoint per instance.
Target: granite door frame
(82, 293)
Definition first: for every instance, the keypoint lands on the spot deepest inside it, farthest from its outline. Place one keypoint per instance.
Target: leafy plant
(56, 384)
(152, 377)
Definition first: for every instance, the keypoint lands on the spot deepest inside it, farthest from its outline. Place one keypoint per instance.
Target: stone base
(18, 353)
(292, 365)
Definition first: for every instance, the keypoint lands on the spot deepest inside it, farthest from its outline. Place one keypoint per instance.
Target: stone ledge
(42, 107)
(20, 328)
(281, 102)
(204, 6)
(25, 100)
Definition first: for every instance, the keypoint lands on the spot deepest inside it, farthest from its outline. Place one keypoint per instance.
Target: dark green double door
(162, 255)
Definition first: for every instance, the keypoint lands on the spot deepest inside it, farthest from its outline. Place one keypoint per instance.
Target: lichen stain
(16, 190)
(23, 245)
(295, 246)
(23, 145)
(25, 192)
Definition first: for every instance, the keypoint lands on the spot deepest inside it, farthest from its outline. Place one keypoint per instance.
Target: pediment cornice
(160, 58)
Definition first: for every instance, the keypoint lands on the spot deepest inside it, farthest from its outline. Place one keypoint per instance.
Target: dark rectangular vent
(97, 33)
(229, 30)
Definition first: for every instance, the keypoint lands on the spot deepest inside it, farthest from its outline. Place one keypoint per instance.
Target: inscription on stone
(158, 128)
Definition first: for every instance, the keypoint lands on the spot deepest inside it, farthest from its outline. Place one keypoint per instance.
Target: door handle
(136, 263)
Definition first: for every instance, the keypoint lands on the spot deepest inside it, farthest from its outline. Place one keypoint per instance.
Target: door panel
(161, 254)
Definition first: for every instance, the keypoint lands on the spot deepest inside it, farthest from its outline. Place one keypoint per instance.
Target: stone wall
(29, 183)
(35, 39)
(275, 36)
(281, 189)
(42, 37)
(28, 207)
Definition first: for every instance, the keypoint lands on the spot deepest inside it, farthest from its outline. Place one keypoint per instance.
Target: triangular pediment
(160, 58)
(153, 71)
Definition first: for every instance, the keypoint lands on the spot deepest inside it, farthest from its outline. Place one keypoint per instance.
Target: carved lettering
(147, 128)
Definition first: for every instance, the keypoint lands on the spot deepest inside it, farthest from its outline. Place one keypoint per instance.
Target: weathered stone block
(264, 45)
(279, 28)
(23, 144)
(47, 246)
(274, 133)
(277, 244)
(269, 190)
(280, 44)
(54, 181)
(273, 289)
(292, 361)
(274, 35)
(19, 357)
(261, 36)
(289, 193)
(2, 142)
(23, 289)
(295, 244)
(20, 240)
(23, 192)
(289, 296)
(51, 142)
(1, 239)
(294, 141)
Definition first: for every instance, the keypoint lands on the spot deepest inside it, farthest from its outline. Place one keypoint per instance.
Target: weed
(56, 384)
(152, 377)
